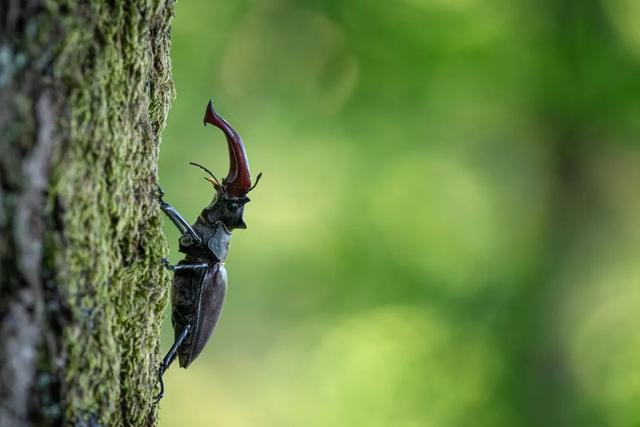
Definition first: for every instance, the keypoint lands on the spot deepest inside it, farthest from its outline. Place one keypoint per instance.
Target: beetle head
(231, 193)
(228, 210)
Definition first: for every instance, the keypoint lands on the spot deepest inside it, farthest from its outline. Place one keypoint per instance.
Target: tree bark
(84, 93)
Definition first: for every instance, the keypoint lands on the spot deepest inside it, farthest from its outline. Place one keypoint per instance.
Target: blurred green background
(448, 228)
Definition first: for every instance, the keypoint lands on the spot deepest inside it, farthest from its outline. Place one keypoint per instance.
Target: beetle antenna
(255, 183)
(216, 182)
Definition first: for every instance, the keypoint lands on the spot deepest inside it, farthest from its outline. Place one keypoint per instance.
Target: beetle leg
(169, 358)
(186, 267)
(176, 218)
(183, 267)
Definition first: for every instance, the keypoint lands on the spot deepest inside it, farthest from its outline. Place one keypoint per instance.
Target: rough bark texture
(84, 93)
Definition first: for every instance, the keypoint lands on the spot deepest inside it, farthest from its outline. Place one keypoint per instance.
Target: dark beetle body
(193, 295)
(198, 295)
(200, 279)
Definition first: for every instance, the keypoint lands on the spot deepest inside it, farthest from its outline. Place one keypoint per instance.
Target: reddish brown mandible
(238, 180)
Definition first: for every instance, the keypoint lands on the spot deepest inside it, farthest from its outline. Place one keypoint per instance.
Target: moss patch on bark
(101, 76)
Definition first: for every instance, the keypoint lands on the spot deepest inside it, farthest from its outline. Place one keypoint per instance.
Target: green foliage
(446, 231)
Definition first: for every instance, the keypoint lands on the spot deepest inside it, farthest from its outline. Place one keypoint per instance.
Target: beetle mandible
(200, 279)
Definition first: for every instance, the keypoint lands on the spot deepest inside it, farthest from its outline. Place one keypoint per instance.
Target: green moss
(115, 65)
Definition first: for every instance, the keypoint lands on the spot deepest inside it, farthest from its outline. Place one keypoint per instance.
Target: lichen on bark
(84, 94)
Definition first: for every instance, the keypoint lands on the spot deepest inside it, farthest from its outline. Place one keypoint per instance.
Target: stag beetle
(200, 279)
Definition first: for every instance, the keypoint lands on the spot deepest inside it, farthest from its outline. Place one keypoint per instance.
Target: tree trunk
(84, 94)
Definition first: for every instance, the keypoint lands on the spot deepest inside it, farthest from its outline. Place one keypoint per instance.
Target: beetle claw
(158, 193)
(166, 264)
(161, 394)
